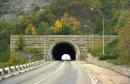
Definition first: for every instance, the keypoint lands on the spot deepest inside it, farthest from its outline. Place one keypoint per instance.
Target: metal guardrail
(14, 70)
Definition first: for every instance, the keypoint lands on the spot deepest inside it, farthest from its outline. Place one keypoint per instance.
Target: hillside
(13, 9)
(90, 19)
(91, 12)
(68, 17)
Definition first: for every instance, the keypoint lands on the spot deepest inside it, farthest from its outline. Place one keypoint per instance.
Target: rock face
(11, 9)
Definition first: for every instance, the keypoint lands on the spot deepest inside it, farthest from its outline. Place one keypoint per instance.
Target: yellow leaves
(64, 22)
(66, 15)
(70, 20)
(97, 2)
(65, 18)
(31, 29)
(58, 24)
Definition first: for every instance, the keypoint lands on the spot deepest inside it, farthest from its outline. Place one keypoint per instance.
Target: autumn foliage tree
(67, 25)
(57, 26)
(95, 3)
(124, 45)
(124, 38)
(31, 29)
(75, 24)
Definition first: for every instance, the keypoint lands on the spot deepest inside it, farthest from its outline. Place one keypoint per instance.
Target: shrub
(15, 59)
(36, 54)
(20, 44)
(2, 65)
(107, 57)
(97, 49)
(110, 50)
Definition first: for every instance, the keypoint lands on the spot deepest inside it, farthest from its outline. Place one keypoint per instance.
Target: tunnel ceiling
(63, 48)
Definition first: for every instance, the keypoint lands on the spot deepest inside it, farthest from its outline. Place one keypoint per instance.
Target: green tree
(97, 49)
(14, 59)
(20, 44)
(42, 28)
(123, 45)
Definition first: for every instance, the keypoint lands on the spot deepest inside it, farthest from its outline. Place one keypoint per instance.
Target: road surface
(56, 72)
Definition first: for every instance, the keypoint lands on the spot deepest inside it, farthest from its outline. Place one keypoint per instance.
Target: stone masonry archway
(64, 47)
(79, 44)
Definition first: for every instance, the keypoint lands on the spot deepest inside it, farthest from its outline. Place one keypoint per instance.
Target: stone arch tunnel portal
(63, 48)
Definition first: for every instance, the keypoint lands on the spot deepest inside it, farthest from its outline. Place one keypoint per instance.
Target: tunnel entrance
(63, 48)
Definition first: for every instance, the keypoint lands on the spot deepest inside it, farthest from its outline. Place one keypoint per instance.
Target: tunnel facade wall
(46, 42)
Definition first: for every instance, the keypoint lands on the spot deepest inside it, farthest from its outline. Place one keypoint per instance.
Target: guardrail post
(14, 70)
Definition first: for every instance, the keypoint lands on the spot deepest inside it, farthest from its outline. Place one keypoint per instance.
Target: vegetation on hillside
(119, 49)
(66, 25)
(123, 46)
(66, 17)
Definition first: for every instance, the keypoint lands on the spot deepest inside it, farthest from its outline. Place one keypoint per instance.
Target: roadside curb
(92, 75)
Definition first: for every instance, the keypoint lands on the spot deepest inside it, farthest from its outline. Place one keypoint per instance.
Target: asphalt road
(67, 72)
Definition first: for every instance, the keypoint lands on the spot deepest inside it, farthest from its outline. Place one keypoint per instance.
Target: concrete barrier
(34, 65)
(1, 74)
(21, 67)
(17, 68)
(30, 66)
(14, 70)
(6, 72)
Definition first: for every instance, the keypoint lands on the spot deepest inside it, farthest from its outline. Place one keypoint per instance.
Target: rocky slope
(11, 9)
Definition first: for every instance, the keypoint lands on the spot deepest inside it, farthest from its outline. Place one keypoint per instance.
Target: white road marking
(44, 78)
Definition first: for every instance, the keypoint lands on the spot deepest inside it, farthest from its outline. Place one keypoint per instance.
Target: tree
(42, 27)
(58, 24)
(57, 29)
(31, 29)
(124, 38)
(14, 59)
(96, 3)
(75, 24)
(65, 18)
(20, 44)
(123, 45)
(66, 25)
(97, 49)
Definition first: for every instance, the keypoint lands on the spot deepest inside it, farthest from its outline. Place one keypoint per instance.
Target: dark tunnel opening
(63, 48)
